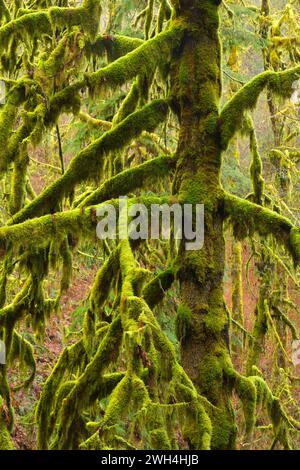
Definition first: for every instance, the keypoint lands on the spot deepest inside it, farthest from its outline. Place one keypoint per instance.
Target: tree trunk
(196, 92)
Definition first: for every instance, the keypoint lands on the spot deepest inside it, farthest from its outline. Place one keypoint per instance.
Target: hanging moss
(103, 281)
(4, 11)
(36, 22)
(8, 116)
(67, 268)
(149, 18)
(40, 23)
(22, 351)
(256, 167)
(87, 16)
(19, 178)
(84, 392)
(70, 357)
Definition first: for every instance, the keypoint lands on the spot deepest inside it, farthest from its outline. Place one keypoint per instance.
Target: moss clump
(183, 323)
(6, 442)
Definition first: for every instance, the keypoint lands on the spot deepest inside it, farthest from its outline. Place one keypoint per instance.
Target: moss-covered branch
(280, 83)
(4, 11)
(40, 22)
(78, 222)
(249, 218)
(88, 163)
(131, 179)
(142, 61)
(155, 290)
(115, 46)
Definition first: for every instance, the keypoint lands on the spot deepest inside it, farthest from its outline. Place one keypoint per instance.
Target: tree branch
(76, 222)
(130, 179)
(246, 98)
(88, 163)
(248, 218)
(40, 22)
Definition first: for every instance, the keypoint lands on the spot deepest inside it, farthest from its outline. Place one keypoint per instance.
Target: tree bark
(196, 93)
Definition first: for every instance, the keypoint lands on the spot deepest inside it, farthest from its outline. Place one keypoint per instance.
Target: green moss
(6, 442)
(149, 18)
(183, 323)
(4, 11)
(37, 24)
(56, 60)
(256, 168)
(103, 282)
(129, 104)
(295, 244)
(280, 420)
(19, 178)
(115, 46)
(67, 267)
(85, 392)
(260, 326)
(246, 392)
(68, 360)
(87, 16)
(22, 351)
(8, 116)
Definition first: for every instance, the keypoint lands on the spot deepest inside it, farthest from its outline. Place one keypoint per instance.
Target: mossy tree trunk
(196, 81)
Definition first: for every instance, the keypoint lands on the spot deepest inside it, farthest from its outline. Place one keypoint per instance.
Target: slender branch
(60, 150)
